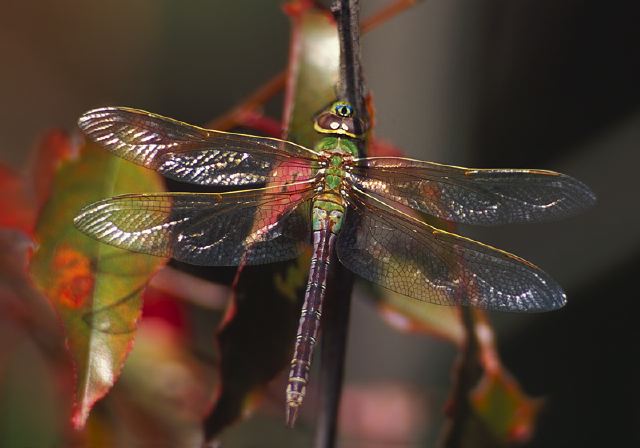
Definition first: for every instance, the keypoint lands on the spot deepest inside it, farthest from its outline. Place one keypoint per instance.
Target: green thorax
(337, 147)
(336, 150)
(329, 206)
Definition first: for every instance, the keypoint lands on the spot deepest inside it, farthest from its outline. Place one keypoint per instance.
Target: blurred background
(492, 83)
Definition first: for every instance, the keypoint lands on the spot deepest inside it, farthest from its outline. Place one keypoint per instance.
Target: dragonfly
(366, 212)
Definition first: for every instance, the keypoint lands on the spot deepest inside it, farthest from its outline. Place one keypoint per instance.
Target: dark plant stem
(333, 351)
(468, 373)
(338, 301)
(351, 84)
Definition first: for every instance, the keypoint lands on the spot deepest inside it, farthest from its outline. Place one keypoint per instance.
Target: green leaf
(315, 69)
(95, 288)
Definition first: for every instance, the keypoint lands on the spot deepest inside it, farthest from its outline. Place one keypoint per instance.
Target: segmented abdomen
(323, 243)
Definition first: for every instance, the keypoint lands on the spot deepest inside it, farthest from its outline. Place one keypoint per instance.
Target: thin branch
(338, 301)
(272, 87)
(385, 14)
(257, 99)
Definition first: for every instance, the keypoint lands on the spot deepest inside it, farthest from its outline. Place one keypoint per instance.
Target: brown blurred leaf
(255, 342)
(94, 287)
(20, 302)
(163, 392)
(35, 374)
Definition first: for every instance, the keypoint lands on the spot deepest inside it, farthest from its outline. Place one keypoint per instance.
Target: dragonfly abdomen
(324, 235)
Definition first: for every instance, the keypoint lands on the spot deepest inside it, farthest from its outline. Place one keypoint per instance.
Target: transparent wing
(255, 226)
(473, 196)
(412, 258)
(191, 154)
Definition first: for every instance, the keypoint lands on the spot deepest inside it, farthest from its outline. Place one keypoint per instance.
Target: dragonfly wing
(253, 226)
(473, 196)
(191, 154)
(408, 256)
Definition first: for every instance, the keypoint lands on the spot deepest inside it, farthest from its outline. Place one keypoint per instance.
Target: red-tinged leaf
(17, 209)
(487, 407)
(381, 148)
(260, 123)
(257, 338)
(162, 306)
(22, 195)
(498, 399)
(95, 288)
(54, 149)
(504, 407)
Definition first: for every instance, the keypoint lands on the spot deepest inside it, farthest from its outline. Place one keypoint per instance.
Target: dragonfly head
(338, 119)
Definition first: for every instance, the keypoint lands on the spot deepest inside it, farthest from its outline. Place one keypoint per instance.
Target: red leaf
(22, 195)
(16, 205)
(160, 305)
(379, 148)
(52, 151)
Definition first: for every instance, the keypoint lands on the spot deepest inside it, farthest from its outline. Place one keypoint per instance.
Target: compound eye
(344, 110)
